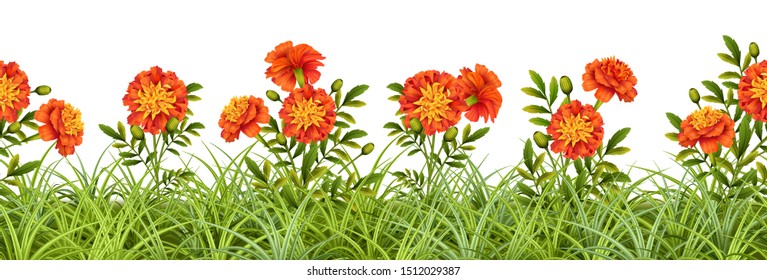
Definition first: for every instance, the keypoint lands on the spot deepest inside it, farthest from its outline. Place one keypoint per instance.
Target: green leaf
(538, 81)
(396, 87)
(692, 162)
(536, 109)
(110, 132)
(674, 119)
(130, 162)
(354, 134)
(193, 87)
(524, 174)
(540, 121)
(466, 132)
(553, 90)
(455, 164)
(533, 92)
(720, 177)
(525, 189)
(712, 99)
(355, 104)
(539, 162)
(746, 62)
(673, 136)
(714, 88)
(13, 163)
(121, 130)
(24, 168)
(354, 93)
(730, 85)
(545, 177)
(685, 153)
(730, 75)
(617, 138)
(762, 170)
(127, 155)
(393, 125)
(618, 177)
(728, 58)
(346, 116)
(477, 134)
(744, 136)
(527, 155)
(195, 125)
(618, 151)
(733, 47)
(193, 97)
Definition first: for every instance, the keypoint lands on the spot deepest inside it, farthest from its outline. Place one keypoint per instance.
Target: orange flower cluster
(610, 76)
(153, 98)
(576, 130)
(752, 91)
(708, 127)
(14, 90)
(437, 99)
(286, 59)
(243, 114)
(61, 122)
(308, 114)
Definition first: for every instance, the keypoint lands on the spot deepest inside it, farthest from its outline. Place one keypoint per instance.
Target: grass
(114, 212)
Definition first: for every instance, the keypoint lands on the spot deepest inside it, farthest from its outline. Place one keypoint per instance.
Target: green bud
(14, 127)
(541, 140)
(694, 96)
(566, 84)
(281, 139)
(753, 49)
(451, 133)
(272, 95)
(368, 148)
(415, 125)
(43, 90)
(172, 124)
(137, 132)
(336, 86)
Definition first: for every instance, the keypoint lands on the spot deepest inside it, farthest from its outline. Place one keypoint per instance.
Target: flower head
(308, 114)
(431, 97)
(14, 90)
(576, 130)
(243, 113)
(752, 91)
(480, 90)
(61, 122)
(285, 59)
(610, 76)
(709, 127)
(153, 98)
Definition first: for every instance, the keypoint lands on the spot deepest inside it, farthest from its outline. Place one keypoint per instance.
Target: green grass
(117, 212)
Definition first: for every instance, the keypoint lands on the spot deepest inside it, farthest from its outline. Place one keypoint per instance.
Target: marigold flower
(480, 90)
(610, 76)
(286, 58)
(14, 90)
(308, 114)
(153, 98)
(709, 127)
(752, 91)
(576, 130)
(243, 113)
(61, 122)
(431, 97)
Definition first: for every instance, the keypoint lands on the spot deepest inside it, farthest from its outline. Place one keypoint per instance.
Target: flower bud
(541, 140)
(368, 148)
(566, 84)
(137, 132)
(451, 133)
(172, 124)
(272, 95)
(43, 90)
(336, 86)
(753, 49)
(14, 127)
(281, 139)
(694, 96)
(415, 125)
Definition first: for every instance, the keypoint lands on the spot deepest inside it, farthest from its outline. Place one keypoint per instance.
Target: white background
(88, 52)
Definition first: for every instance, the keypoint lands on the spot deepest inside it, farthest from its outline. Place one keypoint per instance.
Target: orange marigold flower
(432, 98)
(576, 130)
(752, 91)
(610, 76)
(14, 90)
(709, 127)
(61, 122)
(308, 114)
(243, 113)
(480, 91)
(153, 98)
(285, 59)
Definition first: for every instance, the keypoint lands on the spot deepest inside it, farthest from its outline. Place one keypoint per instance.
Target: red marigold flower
(432, 98)
(243, 113)
(610, 76)
(709, 127)
(308, 114)
(153, 98)
(480, 90)
(752, 91)
(61, 122)
(285, 59)
(576, 130)
(14, 90)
